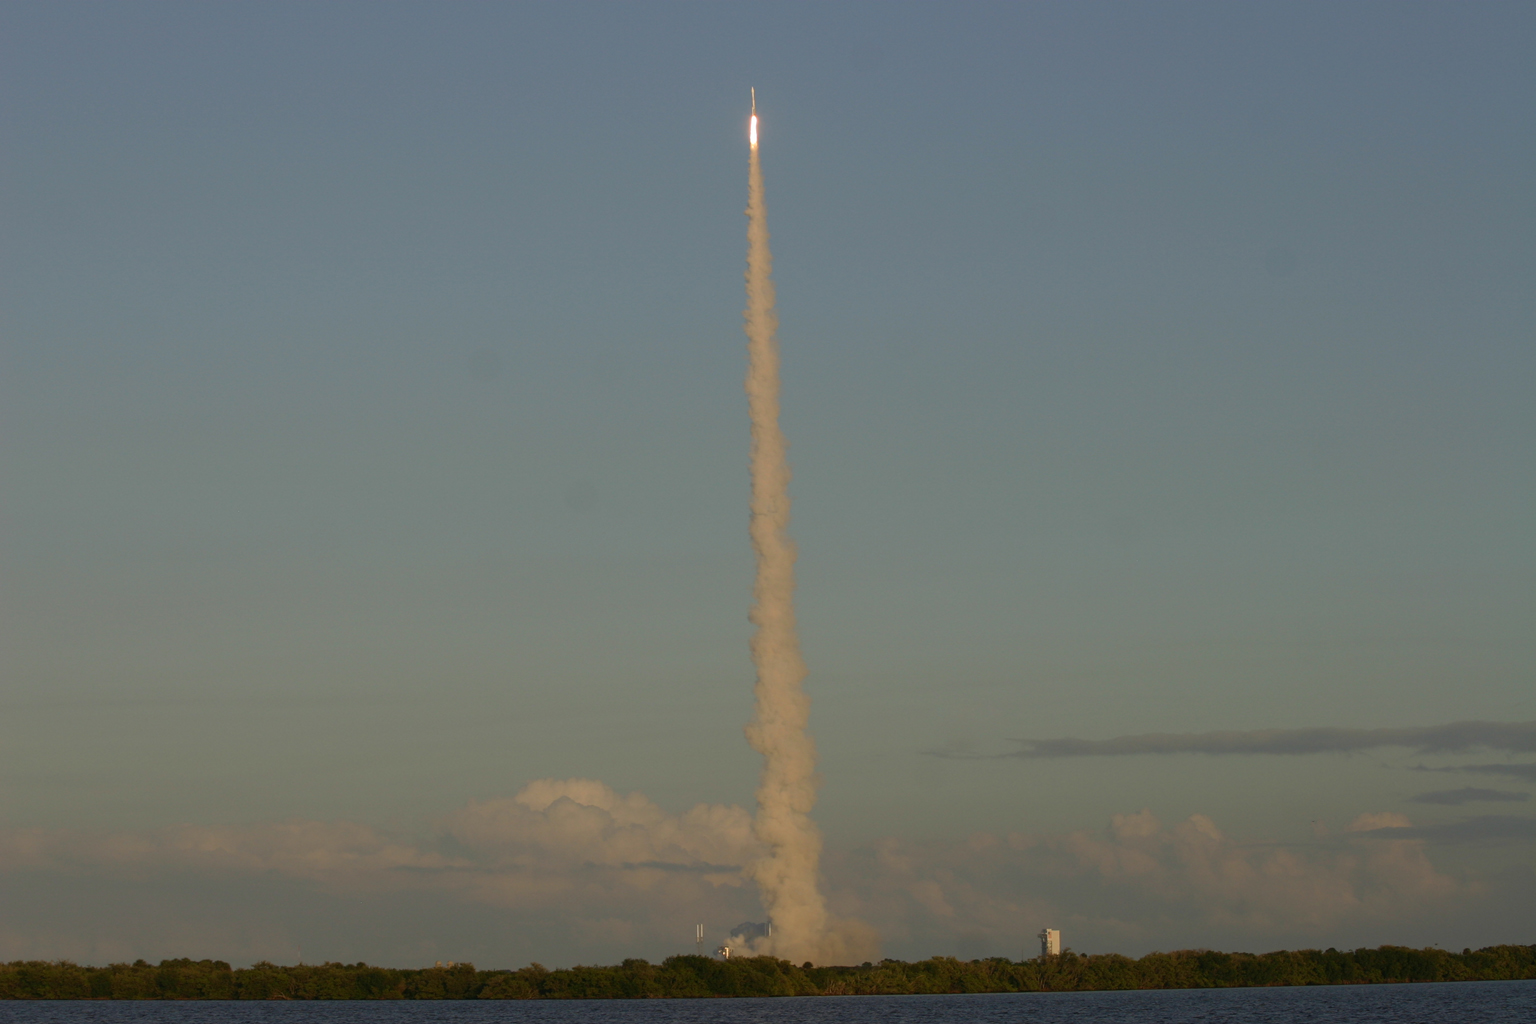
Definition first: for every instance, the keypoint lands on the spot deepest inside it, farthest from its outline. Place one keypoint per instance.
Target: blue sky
(373, 441)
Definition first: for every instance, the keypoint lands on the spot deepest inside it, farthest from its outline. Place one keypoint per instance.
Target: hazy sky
(373, 442)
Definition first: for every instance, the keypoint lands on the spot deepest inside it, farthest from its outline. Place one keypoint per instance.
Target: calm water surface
(1460, 1003)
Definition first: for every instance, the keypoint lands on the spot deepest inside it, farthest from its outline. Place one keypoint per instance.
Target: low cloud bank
(571, 871)
(536, 846)
(595, 868)
(1142, 884)
(1456, 737)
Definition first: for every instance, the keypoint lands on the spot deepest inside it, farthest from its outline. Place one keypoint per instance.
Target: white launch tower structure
(1050, 942)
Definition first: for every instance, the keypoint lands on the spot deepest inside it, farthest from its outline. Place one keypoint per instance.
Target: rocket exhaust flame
(788, 876)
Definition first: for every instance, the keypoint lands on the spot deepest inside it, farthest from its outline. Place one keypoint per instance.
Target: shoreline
(697, 977)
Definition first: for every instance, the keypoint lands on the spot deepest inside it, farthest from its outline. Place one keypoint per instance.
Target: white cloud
(581, 820)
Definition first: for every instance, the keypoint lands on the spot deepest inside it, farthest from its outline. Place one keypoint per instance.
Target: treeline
(698, 976)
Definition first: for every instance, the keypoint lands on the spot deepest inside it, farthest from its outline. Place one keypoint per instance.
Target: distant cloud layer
(1486, 828)
(610, 868)
(1142, 884)
(575, 870)
(554, 836)
(1469, 794)
(1524, 772)
(1513, 737)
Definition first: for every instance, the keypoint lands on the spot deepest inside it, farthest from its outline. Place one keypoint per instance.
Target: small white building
(1050, 942)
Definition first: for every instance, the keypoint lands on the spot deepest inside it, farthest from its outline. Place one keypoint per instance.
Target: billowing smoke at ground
(788, 876)
(748, 932)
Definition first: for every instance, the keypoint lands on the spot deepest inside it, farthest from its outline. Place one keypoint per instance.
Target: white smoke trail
(788, 877)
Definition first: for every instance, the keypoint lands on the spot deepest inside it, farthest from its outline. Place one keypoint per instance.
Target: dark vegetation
(697, 976)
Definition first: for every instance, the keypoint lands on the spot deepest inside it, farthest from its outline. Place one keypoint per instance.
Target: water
(1468, 1002)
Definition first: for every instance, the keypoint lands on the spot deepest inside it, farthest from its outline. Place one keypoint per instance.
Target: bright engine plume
(788, 877)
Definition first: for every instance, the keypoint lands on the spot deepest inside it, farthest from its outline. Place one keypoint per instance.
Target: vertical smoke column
(787, 877)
